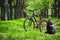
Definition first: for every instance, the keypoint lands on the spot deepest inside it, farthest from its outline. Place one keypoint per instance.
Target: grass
(13, 30)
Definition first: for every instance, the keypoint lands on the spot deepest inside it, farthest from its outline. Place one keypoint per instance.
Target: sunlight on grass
(13, 30)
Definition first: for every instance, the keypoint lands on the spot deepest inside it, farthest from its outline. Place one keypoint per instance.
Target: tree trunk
(55, 9)
(10, 9)
(16, 9)
(47, 13)
(6, 9)
(2, 10)
(58, 8)
(52, 14)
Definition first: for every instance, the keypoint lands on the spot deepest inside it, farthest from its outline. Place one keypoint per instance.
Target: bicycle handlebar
(33, 10)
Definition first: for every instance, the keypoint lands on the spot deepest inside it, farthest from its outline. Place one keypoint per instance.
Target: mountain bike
(31, 22)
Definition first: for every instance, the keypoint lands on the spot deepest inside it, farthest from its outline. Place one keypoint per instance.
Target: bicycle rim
(29, 25)
(42, 28)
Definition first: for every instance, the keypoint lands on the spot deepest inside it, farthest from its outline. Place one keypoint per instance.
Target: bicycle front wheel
(29, 24)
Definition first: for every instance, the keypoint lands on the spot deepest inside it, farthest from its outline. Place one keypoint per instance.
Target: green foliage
(38, 4)
(34, 4)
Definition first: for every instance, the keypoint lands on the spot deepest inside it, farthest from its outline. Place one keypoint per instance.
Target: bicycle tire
(30, 20)
(42, 28)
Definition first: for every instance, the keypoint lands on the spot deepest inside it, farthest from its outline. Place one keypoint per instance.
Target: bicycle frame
(33, 17)
(33, 20)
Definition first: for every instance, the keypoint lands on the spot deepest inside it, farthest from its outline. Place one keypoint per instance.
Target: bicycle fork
(30, 22)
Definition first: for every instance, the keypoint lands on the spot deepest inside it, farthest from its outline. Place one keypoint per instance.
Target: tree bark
(16, 9)
(55, 9)
(2, 10)
(10, 9)
(58, 8)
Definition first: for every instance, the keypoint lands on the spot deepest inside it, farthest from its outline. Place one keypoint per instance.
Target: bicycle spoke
(29, 25)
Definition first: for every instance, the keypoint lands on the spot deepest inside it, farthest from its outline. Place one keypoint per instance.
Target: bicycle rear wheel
(29, 24)
(43, 27)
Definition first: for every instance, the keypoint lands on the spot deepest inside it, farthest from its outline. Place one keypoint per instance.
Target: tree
(55, 9)
(58, 2)
(19, 9)
(39, 4)
(10, 8)
(2, 9)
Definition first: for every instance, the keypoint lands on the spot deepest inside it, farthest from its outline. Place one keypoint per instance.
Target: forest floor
(13, 30)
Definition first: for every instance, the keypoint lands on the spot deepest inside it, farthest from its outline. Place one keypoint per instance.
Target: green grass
(13, 30)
